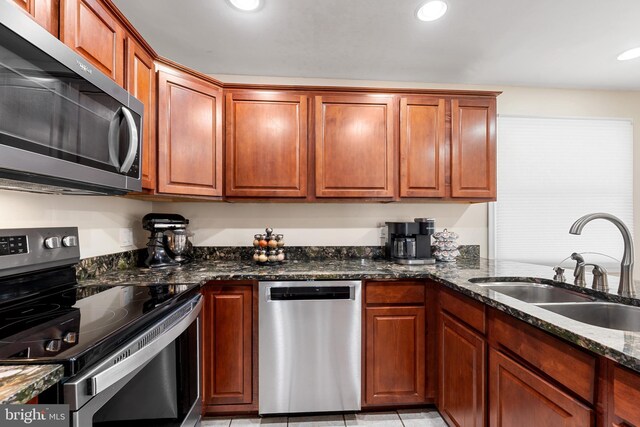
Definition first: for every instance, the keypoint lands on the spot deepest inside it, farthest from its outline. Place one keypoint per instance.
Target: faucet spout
(626, 287)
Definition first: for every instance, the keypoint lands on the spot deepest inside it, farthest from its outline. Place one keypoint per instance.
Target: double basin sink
(574, 305)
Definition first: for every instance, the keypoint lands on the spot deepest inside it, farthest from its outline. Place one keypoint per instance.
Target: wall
(98, 218)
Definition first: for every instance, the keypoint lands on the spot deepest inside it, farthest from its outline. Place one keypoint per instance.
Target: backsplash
(89, 268)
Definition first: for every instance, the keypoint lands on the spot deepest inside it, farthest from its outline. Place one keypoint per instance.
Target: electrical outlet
(126, 237)
(383, 232)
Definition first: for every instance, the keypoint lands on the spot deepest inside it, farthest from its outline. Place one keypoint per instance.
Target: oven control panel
(30, 249)
(13, 245)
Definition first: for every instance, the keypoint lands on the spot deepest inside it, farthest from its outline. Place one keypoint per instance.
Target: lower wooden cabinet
(395, 355)
(228, 343)
(625, 398)
(519, 397)
(461, 373)
(395, 344)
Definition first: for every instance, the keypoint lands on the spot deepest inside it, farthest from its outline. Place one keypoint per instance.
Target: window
(551, 171)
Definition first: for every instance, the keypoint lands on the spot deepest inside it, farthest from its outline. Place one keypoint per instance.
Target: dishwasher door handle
(310, 293)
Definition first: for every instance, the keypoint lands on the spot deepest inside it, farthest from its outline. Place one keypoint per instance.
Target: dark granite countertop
(21, 383)
(621, 346)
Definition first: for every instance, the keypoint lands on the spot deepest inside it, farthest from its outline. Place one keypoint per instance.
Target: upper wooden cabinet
(473, 148)
(266, 144)
(45, 12)
(354, 146)
(88, 28)
(422, 147)
(189, 135)
(141, 83)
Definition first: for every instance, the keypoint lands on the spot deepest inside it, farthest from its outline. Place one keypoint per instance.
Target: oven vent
(165, 325)
(122, 356)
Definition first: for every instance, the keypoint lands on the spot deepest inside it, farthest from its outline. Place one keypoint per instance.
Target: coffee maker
(410, 242)
(169, 243)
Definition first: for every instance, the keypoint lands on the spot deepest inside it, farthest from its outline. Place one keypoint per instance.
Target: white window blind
(551, 171)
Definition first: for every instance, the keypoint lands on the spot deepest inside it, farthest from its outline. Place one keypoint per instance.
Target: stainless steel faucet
(578, 272)
(626, 287)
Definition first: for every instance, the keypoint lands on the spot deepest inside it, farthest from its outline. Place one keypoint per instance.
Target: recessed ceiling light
(246, 5)
(629, 54)
(432, 10)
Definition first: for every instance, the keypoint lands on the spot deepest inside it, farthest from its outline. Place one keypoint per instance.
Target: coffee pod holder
(268, 248)
(445, 246)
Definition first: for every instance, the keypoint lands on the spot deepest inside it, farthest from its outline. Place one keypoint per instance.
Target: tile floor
(401, 418)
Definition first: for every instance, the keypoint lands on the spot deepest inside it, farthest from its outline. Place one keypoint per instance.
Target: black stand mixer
(169, 240)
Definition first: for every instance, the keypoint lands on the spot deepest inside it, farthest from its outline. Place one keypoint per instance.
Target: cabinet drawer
(469, 311)
(395, 293)
(626, 395)
(569, 366)
(520, 397)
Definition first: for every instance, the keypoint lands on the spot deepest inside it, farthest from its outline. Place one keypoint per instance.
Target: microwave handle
(133, 141)
(114, 126)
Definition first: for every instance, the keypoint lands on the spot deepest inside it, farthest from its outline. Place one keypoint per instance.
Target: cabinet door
(395, 355)
(422, 147)
(88, 28)
(141, 83)
(473, 148)
(521, 398)
(189, 135)
(462, 376)
(626, 395)
(354, 146)
(227, 344)
(266, 144)
(45, 12)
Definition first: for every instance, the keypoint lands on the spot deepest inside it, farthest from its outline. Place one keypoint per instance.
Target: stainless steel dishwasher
(309, 346)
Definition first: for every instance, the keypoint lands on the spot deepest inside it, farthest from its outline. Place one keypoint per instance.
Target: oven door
(157, 385)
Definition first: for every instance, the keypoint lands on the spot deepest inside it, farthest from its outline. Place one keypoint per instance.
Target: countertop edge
(27, 382)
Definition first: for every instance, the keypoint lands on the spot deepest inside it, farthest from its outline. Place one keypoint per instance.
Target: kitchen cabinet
(422, 147)
(189, 134)
(462, 361)
(45, 12)
(473, 148)
(354, 146)
(228, 343)
(625, 395)
(266, 144)
(520, 397)
(395, 344)
(88, 28)
(141, 83)
(572, 368)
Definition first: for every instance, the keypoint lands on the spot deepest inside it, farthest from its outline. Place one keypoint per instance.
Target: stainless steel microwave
(65, 127)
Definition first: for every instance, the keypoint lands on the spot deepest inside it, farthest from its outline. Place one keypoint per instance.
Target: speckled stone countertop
(21, 383)
(621, 346)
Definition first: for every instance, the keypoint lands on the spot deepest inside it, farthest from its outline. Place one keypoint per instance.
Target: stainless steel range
(131, 353)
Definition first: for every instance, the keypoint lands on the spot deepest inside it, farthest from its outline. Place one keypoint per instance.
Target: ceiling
(546, 43)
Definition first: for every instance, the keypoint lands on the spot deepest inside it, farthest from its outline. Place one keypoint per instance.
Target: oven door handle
(103, 380)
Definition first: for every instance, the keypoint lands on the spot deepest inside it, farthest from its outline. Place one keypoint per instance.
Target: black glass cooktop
(77, 325)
